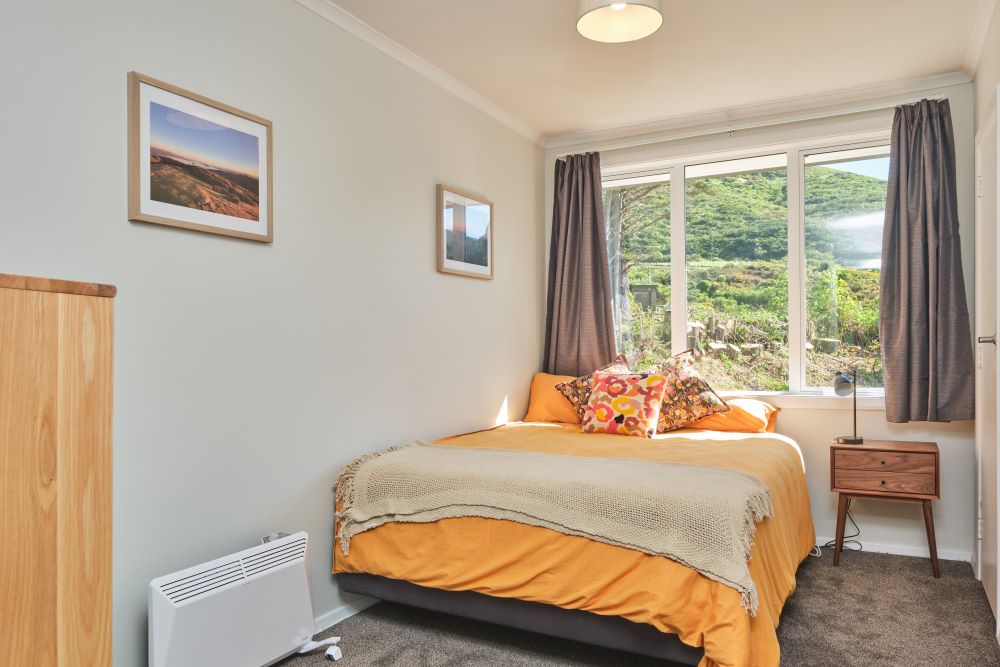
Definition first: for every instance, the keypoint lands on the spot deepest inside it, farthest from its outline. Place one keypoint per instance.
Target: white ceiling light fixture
(616, 22)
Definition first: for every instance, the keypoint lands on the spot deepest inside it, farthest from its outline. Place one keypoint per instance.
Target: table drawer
(885, 482)
(887, 461)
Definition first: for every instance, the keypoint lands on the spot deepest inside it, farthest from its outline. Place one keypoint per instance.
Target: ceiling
(526, 57)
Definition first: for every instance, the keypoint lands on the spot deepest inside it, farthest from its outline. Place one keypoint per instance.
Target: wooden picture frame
(198, 164)
(460, 252)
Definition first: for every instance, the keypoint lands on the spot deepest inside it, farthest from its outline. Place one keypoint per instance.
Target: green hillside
(737, 244)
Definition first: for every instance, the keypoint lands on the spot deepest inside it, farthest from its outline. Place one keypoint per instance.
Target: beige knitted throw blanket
(702, 517)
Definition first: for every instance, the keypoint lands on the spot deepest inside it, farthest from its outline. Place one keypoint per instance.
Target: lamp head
(843, 384)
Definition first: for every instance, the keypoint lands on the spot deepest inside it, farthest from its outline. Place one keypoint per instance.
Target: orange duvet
(508, 559)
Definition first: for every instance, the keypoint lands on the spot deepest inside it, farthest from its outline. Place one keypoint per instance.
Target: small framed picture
(465, 233)
(196, 163)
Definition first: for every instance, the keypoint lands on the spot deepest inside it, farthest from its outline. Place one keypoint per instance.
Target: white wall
(988, 71)
(814, 422)
(246, 374)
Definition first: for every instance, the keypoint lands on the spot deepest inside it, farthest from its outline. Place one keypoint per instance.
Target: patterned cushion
(688, 398)
(577, 391)
(624, 404)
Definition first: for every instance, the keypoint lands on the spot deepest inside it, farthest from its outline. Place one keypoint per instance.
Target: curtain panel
(925, 335)
(579, 325)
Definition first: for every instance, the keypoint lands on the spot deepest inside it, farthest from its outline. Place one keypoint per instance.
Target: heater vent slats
(272, 558)
(211, 587)
(296, 547)
(235, 570)
(204, 574)
(270, 565)
(194, 585)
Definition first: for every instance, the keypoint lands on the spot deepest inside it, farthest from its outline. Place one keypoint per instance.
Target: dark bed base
(583, 626)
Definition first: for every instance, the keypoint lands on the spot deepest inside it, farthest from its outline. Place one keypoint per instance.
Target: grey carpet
(875, 610)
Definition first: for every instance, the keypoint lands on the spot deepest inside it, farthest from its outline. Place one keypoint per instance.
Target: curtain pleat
(925, 335)
(579, 325)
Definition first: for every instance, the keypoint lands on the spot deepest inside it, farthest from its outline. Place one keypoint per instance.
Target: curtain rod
(721, 128)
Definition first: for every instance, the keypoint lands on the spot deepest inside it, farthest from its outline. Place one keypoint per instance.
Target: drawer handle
(883, 481)
(882, 462)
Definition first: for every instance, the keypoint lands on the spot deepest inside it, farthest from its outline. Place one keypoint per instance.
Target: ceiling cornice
(352, 24)
(977, 39)
(787, 110)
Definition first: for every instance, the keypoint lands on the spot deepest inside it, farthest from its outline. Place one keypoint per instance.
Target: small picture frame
(196, 163)
(464, 233)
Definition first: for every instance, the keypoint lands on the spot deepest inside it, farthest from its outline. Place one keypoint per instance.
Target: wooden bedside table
(890, 470)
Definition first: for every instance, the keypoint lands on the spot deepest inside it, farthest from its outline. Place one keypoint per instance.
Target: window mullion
(678, 262)
(796, 273)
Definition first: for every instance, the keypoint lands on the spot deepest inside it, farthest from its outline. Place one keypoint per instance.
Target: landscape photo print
(465, 233)
(196, 163)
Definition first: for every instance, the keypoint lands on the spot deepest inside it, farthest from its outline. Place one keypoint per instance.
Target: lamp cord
(850, 543)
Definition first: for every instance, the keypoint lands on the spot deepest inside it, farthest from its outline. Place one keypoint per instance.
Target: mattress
(512, 560)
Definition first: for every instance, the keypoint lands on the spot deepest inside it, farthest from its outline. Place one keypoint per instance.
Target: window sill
(872, 401)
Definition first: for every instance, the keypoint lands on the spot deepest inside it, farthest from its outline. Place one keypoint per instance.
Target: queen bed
(535, 578)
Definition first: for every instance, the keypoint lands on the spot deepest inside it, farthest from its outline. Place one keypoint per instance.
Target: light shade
(843, 384)
(615, 22)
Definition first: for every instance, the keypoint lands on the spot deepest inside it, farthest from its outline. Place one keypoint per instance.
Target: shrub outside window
(703, 247)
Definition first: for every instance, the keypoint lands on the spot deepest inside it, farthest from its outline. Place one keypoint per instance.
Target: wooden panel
(28, 477)
(890, 446)
(54, 285)
(84, 446)
(884, 482)
(884, 460)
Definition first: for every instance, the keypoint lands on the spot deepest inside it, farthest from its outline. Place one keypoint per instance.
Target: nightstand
(889, 470)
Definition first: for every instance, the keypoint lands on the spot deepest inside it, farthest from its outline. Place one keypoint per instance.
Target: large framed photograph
(465, 233)
(196, 163)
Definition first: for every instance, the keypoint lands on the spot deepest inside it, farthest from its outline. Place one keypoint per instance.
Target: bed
(538, 579)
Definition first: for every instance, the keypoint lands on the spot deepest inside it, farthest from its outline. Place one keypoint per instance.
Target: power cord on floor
(850, 543)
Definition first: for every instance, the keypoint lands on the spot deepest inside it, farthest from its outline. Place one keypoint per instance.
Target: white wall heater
(248, 609)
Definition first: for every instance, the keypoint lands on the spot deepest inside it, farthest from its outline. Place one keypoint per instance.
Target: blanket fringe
(759, 507)
(749, 601)
(344, 495)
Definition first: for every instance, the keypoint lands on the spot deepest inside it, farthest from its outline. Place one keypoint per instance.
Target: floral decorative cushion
(577, 391)
(624, 404)
(687, 397)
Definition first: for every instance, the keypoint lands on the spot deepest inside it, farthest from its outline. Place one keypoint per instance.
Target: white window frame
(804, 387)
(795, 152)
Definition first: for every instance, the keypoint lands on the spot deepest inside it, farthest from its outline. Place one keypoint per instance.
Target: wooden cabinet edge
(37, 284)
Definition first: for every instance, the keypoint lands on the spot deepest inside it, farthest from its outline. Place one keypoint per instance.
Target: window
(736, 237)
(845, 195)
(778, 292)
(637, 213)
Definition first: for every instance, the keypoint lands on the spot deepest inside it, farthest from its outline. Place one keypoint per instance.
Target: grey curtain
(924, 329)
(579, 325)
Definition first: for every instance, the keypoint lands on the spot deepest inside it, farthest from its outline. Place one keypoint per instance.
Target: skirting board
(357, 604)
(899, 550)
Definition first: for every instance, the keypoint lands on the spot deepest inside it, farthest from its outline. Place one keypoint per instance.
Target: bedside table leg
(931, 540)
(841, 520)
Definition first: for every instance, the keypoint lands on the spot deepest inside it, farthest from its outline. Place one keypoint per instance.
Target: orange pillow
(547, 404)
(747, 415)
